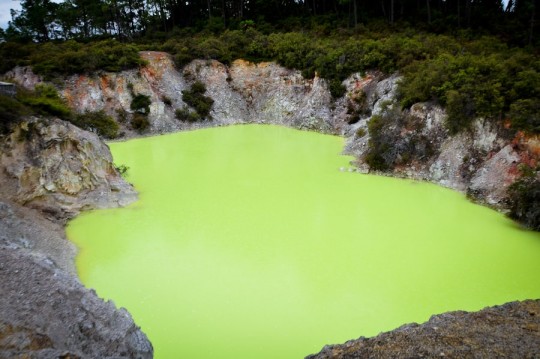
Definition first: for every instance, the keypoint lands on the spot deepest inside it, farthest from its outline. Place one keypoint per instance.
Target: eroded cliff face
(243, 93)
(482, 161)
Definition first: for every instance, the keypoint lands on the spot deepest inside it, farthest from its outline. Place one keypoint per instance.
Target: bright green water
(249, 242)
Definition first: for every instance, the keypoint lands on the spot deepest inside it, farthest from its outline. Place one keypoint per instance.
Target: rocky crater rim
(482, 161)
(61, 170)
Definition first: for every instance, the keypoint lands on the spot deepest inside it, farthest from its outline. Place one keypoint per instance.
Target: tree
(36, 20)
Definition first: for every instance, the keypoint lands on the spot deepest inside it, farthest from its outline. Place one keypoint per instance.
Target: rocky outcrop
(481, 161)
(243, 93)
(46, 313)
(61, 169)
(511, 330)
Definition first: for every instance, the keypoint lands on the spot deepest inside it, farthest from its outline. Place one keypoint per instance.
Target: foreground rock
(46, 313)
(511, 330)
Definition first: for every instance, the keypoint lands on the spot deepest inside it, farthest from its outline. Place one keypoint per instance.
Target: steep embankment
(51, 170)
(60, 170)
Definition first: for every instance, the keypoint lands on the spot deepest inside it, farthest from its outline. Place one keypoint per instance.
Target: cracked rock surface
(511, 330)
(46, 313)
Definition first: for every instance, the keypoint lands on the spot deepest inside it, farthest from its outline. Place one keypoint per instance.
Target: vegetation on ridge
(45, 101)
(468, 55)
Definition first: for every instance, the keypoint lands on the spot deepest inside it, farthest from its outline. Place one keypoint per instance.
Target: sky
(5, 14)
(6, 5)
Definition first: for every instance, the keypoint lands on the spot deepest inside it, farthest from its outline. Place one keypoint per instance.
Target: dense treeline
(465, 54)
(43, 20)
(470, 75)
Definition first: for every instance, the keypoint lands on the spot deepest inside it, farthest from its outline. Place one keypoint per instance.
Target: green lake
(252, 242)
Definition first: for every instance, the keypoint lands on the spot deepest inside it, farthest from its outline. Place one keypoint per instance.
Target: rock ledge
(511, 330)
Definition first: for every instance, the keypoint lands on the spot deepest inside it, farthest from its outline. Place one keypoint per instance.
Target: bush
(336, 88)
(141, 104)
(45, 101)
(166, 100)
(524, 200)
(11, 112)
(195, 98)
(396, 139)
(361, 132)
(71, 57)
(139, 122)
(460, 109)
(122, 115)
(472, 84)
(185, 115)
(525, 114)
(376, 157)
(98, 121)
(122, 169)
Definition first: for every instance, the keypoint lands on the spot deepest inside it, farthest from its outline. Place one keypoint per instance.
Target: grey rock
(61, 169)
(511, 330)
(41, 316)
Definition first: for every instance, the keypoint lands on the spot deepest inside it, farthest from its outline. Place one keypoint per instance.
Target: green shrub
(378, 146)
(186, 115)
(71, 57)
(524, 200)
(460, 109)
(11, 112)
(198, 88)
(166, 100)
(141, 104)
(122, 169)
(525, 114)
(122, 115)
(99, 121)
(195, 98)
(139, 122)
(361, 132)
(472, 84)
(45, 101)
(336, 88)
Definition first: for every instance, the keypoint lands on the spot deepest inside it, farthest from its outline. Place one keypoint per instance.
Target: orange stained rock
(120, 85)
(104, 82)
(150, 72)
(68, 96)
(360, 84)
(81, 79)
